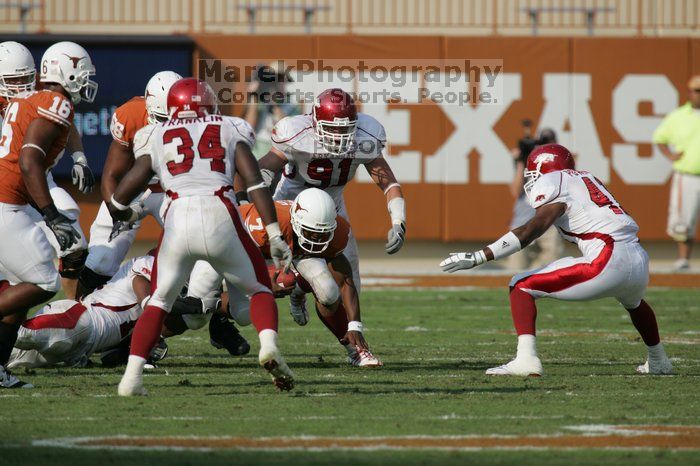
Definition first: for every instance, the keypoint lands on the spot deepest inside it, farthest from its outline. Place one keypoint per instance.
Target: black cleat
(223, 334)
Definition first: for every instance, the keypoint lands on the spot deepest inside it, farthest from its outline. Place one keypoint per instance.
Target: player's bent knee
(72, 264)
(326, 292)
(240, 314)
(196, 321)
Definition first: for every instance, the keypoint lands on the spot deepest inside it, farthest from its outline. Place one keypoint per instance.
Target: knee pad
(88, 281)
(240, 313)
(72, 264)
(196, 321)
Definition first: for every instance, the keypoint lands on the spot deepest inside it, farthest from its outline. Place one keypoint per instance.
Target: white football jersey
(592, 213)
(193, 157)
(310, 165)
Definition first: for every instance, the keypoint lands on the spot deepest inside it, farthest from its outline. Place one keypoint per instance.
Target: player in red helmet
(191, 98)
(613, 263)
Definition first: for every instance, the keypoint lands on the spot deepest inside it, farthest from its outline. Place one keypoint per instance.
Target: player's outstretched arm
(119, 161)
(384, 178)
(39, 137)
(249, 171)
(508, 244)
(133, 183)
(269, 165)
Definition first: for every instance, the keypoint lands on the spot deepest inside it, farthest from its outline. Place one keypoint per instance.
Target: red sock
(524, 311)
(337, 323)
(263, 312)
(147, 331)
(644, 321)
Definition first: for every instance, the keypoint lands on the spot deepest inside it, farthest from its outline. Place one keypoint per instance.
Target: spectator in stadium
(549, 246)
(678, 138)
(267, 103)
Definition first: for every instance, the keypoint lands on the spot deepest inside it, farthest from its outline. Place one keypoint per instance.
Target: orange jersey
(127, 120)
(20, 112)
(256, 228)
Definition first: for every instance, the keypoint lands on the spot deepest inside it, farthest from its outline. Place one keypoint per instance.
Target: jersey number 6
(209, 147)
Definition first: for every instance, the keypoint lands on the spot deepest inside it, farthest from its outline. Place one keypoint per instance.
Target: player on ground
(109, 243)
(318, 237)
(70, 332)
(324, 150)
(613, 264)
(34, 134)
(17, 77)
(195, 156)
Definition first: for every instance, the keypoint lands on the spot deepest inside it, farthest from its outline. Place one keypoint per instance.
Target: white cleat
(273, 362)
(131, 386)
(297, 308)
(656, 367)
(8, 380)
(521, 367)
(358, 357)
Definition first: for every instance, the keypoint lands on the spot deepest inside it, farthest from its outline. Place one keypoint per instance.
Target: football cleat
(297, 307)
(7, 380)
(273, 362)
(131, 386)
(223, 334)
(359, 357)
(521, 367)
(656, 367)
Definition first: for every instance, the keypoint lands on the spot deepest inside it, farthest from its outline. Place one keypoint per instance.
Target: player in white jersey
(613, 264)
(324, 149)
(195, 155)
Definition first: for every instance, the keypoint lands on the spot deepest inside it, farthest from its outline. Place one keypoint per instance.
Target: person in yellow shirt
(678, 138)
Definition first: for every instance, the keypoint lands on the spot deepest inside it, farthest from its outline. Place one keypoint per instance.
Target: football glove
(61, 226)
(280, 253)
(395, 238)
(119, 226)
(81, 174)
(462, 261)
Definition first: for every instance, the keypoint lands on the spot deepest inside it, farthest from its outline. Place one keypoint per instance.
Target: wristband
(505, 246)
(355, 326)
(79, 157)
(34, 146)
(118, 205)
(397, 210)
(256, 187)
(273, 230)
(392, 185)
(479, 257)
(50, 212)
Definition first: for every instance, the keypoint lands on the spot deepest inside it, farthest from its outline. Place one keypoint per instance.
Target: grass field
(431, 393)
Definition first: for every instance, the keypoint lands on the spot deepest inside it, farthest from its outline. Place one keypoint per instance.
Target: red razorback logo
(539, 198)
(75, 60)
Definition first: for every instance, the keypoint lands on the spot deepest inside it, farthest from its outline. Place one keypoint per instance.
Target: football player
(195, 155)
(17, 77)
(324, 150)
(613, 264)
(317, 237)
(35, 130)
(110, 241)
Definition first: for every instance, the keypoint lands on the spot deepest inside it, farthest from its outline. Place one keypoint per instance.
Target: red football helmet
(544, 159)
(191, 98)
(335, 120)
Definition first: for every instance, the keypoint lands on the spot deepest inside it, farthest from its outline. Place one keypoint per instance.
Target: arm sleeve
(244, 131)
(142, 143)
(547, 190)
(281, 135)
(143, 266)
(374, 135)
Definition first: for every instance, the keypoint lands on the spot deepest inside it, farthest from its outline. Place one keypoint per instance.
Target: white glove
(137, 214)
(280, 252)
(395, 238)
(81, 175)
(462, 261)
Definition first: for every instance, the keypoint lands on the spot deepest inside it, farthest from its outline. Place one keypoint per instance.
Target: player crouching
(613, 264)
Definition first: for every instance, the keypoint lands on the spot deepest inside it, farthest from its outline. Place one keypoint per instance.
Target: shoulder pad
(142, 141)
(547, 189)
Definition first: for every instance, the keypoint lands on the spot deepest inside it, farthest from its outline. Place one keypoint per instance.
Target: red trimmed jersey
(19, 114)
(194, 157)
(590, 209)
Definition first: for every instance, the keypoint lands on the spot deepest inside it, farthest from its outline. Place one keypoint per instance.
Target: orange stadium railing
(502, 17)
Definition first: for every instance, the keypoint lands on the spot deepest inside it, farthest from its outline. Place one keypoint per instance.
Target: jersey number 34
(208, 147)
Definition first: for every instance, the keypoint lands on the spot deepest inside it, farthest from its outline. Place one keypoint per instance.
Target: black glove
(61, 226)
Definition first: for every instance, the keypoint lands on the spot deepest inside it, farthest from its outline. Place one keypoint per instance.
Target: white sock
(526, 346)
(268, 338)
(656, 351)
(134, 368)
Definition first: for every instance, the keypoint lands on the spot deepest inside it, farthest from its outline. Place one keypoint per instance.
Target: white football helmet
(17, 70)
(313, 219)
(68, 64)
(157, 95)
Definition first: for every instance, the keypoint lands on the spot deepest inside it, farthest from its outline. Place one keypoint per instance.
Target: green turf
(435, 344)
